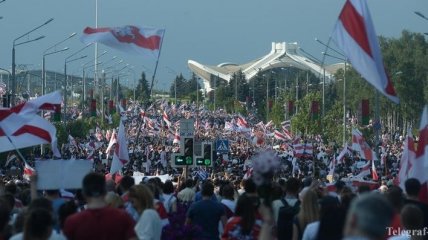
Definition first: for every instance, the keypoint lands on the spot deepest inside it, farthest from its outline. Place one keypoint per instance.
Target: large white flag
(354, 33)
(121, 155)
(407, 159)
(130, 39)
(21, 126)
(420, 164)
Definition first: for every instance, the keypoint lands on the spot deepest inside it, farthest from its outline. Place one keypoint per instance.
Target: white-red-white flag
(360, 145)
(407, 159)
(121, 155)
(365, 170)
(130, 39)
(354, 33)
(166, 119)
(241, 122)
(113, 140)
(342, 154)
(28, 172)
(177, 137)
(21, 126)
(280, 136)
(375, 177)
(420, 164)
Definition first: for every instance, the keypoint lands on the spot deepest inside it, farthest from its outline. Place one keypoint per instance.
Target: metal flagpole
(151, 88)
(156, 66)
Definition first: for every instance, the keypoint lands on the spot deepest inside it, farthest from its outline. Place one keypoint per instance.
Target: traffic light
(188, 151)
(179, 160)
(207, 159)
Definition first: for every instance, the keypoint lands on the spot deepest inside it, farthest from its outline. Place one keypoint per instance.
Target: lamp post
(44, 67)
(46, 53)
(421, 15)
(117, 82)
(344, 94)
(112, 67)
(13, 54)
(323, 80)
(69, 60)
(267, 98)
(66, 83)
(131, 69)
(84, 66)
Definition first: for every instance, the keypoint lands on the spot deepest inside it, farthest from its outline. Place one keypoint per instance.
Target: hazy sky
(210, 32)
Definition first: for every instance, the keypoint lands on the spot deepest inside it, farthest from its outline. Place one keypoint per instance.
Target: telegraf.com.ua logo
(407, 232)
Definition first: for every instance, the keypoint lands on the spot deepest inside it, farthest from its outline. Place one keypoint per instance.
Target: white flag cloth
(25, 127)
(121, 155)
(130, 39)
(420, 163)
(354, 33)
(113, 140)
(360, 145)
(407, 159)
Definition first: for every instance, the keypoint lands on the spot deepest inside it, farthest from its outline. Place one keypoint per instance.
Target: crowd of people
(303, 196)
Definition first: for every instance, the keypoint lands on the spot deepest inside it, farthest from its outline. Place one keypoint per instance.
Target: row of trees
(405, 59)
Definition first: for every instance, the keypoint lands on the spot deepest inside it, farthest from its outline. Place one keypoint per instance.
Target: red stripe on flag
(354, 24)
(39, 132)
(129, 34)
(90, 30)
(423, 141)
(389, 87)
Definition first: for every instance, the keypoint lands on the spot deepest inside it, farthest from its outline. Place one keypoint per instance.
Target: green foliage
(302, 121)
(142, 92)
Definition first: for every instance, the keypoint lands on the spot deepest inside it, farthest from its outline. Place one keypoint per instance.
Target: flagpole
(156, 66)
(151, 88)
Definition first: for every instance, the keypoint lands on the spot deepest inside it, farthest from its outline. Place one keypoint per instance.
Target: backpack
(285, 219)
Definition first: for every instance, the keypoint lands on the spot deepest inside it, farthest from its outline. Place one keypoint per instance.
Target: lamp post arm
(58, 43)
(32, 40)
(34, 29)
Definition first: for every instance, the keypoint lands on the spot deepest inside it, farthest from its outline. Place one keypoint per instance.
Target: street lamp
(117, 83)
(45, 53)
(344, 94)
(313, 58)
(131, 69)
(267, 98)
(69, 60)
(84, 66)
(44, 68)
(13, 54)
(421, 15)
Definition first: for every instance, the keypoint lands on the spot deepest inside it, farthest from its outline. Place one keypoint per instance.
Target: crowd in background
(218, 202)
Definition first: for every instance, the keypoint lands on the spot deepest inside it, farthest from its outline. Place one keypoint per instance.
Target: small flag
(28, 172)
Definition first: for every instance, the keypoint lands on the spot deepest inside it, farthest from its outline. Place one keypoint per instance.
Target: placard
(61, 174)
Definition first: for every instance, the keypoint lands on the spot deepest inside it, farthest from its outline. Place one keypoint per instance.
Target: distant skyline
(210, 32)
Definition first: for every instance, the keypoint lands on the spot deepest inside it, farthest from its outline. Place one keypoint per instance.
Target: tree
(142, 92)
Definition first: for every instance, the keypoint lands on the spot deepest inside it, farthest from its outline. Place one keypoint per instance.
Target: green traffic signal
(207, 162)
(189, 160)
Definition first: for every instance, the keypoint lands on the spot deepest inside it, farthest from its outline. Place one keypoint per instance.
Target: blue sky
(210, 32)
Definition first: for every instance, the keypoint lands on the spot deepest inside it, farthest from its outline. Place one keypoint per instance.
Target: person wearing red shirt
(98, 221)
